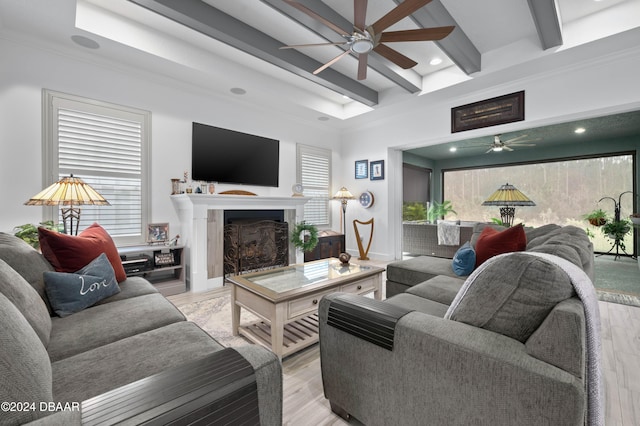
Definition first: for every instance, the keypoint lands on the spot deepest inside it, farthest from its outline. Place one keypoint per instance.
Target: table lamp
(69, 191)
(507, 197)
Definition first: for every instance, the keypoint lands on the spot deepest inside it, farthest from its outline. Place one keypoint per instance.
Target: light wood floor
(304, 402)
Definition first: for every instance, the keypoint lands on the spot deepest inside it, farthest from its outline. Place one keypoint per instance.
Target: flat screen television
(227, 156)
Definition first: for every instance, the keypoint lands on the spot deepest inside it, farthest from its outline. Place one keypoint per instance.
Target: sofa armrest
(216, 387)
(444, 372)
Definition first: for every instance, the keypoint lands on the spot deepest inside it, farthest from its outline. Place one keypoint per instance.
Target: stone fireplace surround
(201, 231)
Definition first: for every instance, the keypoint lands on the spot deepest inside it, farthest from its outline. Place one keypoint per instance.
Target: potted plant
(597, 217)
(635, 218)
(414, 211)
(29, 232)
(438, 210)
(616, 230)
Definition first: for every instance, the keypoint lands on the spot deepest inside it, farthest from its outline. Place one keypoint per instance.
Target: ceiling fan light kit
(365, 39)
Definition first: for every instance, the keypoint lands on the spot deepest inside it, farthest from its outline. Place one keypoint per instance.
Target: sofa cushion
(464, 261)
(492, 242)
(103, 324)
(27, 261)
(441, 289)
(24, 365)
(418, 269)
(133, 358)
(70, 293)
(27, 300)
(131, 287)
(68, 253)
(512, 295)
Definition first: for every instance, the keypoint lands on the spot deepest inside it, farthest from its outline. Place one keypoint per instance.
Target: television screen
(227, 156)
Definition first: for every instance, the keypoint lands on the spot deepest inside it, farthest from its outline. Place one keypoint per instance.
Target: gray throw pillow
(511, 295)
(73, 292)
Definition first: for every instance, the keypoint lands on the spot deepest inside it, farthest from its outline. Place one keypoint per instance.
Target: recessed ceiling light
(85, 42)
(238, 91)
(453, 149)
(435, 61)
(580, 130)
(323, 118)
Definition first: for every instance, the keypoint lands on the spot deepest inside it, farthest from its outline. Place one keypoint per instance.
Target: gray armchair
(515, 350)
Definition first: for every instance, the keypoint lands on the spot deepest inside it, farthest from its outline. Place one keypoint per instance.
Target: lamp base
(507, 215)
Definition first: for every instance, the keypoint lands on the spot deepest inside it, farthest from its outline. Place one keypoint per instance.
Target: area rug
(214, 317)
(620, 298)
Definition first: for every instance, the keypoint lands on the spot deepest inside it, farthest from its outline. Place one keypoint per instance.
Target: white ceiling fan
(499, 145)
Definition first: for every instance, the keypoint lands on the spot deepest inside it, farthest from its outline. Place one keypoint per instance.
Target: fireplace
(202, 231)
(254, 240)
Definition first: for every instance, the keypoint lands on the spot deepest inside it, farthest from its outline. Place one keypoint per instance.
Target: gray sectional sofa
(131, 357)
(508, 345)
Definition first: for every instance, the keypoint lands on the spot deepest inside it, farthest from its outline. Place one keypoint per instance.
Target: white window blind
(106, 146)
(314, 173)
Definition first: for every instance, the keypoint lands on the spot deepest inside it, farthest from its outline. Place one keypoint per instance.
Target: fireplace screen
(255, 246)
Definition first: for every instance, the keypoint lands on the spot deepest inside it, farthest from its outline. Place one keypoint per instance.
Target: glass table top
(298, 276)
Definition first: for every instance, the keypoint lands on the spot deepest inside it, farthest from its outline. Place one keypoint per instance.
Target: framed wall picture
(376, 171)
(362, 169)
(157, 233)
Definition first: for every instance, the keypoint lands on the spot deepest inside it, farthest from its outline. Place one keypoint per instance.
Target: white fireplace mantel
(193, 211)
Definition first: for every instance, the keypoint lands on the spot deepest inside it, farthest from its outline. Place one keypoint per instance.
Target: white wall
(25, 71)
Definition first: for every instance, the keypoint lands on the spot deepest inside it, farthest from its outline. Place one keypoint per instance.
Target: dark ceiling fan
(499, 145)
(365, 38)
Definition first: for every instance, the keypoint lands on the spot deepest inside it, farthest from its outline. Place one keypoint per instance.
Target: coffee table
(287, 300)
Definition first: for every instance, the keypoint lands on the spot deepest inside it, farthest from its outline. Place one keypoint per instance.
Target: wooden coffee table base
(289, 321)
(297, 335)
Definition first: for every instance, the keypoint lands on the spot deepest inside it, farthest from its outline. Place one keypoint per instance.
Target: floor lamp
(68, 192)
(344, 195)
(507, 197)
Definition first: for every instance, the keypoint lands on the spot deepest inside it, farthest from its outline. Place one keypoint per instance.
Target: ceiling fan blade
(362, 66)
(394, 56)
(522, 144)
(317, 17)
(331, 62)
(507, 148)
(295, 46)
(422, 34)
(514, 139)
(403, 10)
(359, 14)
(489, 150)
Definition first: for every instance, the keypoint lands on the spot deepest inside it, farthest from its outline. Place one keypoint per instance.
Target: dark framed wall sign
(362, 169)
(490, 112)
(376, 170)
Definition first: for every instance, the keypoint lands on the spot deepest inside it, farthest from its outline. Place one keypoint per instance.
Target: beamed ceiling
(219, 45)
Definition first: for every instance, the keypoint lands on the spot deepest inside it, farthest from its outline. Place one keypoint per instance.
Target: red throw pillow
(69, 253)
(492, 242)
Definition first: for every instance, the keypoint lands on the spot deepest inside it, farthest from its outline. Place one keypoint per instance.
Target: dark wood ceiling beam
(210, 21)
(407, 79)
(547, 19)
(456, 45)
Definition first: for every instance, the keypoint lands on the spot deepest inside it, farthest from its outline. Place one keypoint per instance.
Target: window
(105, 145)
(564, 191)
(313, 171)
